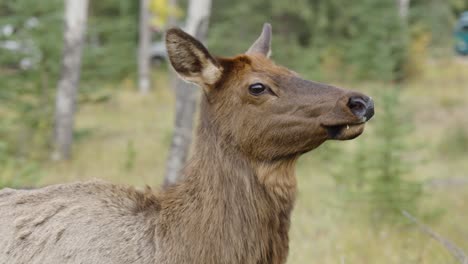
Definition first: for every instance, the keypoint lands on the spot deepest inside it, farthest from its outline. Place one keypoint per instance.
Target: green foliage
(437, 18)
(26, 95)
(392, 191)
(366, 40)
(110, 54)
(375, 174)
(16, 172)
(377, 41)
(130, 156)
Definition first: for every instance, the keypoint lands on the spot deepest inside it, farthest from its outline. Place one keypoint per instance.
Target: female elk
(235, 198)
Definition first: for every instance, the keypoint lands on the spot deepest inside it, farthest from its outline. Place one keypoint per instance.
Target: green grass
(125, 140)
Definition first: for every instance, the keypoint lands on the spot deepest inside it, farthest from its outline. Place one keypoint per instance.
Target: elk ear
(191, 59)
(263, 44)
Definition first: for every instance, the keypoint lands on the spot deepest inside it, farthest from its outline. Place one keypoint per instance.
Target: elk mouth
(344, 131)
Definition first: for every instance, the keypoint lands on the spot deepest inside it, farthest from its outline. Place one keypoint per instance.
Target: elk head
(266, 111)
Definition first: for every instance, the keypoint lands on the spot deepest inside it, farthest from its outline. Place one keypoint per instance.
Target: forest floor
(125, 140)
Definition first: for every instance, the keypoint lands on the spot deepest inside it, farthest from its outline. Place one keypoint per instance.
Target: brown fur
(234, 202)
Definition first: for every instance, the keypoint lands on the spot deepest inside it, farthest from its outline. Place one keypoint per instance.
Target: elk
(234, 200)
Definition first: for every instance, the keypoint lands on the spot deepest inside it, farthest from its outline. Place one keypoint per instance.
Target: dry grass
(125, 140)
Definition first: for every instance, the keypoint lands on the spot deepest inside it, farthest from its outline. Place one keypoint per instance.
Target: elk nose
(362, 106)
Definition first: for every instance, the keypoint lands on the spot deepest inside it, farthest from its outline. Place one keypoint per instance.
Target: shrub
(375, 173)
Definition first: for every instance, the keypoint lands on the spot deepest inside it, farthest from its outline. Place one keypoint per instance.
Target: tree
(74, 33)
(143, 49)
(403, 8)
(186, 96)
(375, 174)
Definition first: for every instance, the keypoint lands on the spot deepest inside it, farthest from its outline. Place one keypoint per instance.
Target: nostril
(357, 105)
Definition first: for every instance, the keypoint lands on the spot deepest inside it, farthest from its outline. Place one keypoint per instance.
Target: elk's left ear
(263, 44)
(191, 59)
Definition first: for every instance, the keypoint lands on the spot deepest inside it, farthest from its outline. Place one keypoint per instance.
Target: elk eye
(257, 88)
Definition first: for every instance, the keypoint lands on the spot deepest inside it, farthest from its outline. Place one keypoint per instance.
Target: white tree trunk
(144, 58)
(76, 14)
(198, 18)
(403, 9)
(186, 96)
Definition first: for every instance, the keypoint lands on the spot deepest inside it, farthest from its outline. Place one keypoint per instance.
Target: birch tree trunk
(76, 14)
(403, 9)
(186, 96)
(144, 59)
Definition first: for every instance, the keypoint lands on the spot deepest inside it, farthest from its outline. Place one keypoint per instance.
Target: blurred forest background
(413, 155)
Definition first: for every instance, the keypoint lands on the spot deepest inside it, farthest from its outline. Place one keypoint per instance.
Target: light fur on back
(93, 222)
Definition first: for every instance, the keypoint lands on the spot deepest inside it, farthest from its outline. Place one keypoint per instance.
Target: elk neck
(239, 201)
(218, 165)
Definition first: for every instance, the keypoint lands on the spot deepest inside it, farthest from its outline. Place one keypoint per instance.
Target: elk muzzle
(349, 119)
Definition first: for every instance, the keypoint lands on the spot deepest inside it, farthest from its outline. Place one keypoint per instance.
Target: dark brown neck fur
(228, 208)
